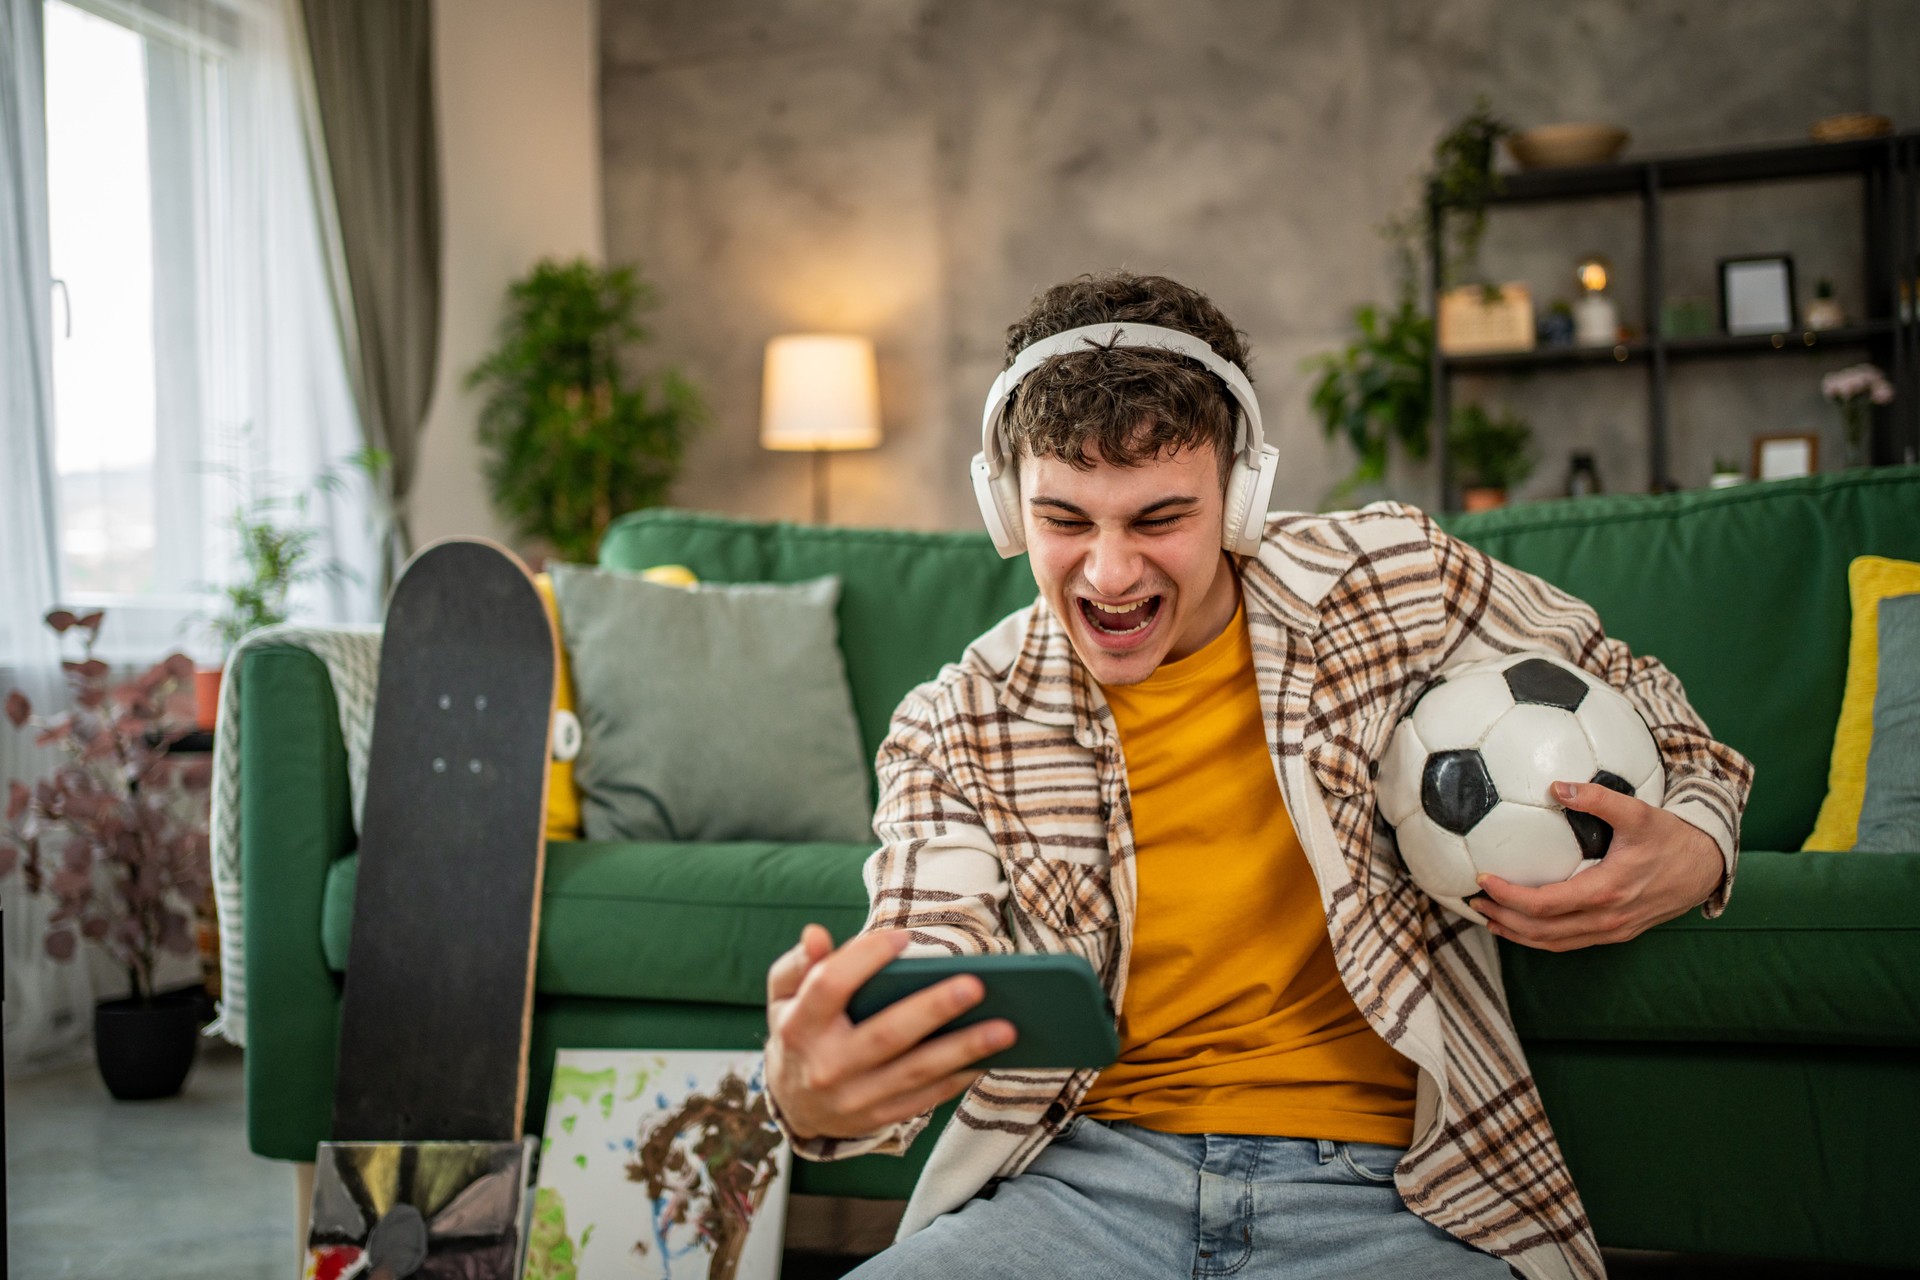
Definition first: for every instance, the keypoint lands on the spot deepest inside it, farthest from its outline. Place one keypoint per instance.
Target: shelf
(1631, 177)
(1544, 358)
(1706, 345)
(1722, 344)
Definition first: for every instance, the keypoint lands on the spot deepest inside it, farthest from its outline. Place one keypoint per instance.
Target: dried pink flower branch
(108, 834)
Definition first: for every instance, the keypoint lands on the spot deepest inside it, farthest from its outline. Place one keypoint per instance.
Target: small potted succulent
(110, 836)
(1491, 455)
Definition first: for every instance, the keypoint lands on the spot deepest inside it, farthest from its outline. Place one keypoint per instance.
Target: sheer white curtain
(47, 1003)
(248, 374)
(296, 380)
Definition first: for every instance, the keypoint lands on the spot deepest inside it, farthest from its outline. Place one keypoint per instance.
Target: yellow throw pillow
(671, 575)
(1870, 579)
(563, 798)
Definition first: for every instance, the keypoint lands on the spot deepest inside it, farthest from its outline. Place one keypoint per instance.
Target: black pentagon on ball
(1594, 835)
(1538, 681)
(1456, 790)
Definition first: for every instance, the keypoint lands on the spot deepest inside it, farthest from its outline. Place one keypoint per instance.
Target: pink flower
(1855, 382)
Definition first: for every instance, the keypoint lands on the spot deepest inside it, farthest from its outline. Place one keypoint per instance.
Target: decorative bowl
(1555, 146)
(1850, 127)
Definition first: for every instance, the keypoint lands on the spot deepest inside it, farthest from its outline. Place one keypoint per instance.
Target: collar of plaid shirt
(1000, 832)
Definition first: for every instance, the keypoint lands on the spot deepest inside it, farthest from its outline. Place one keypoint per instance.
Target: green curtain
(373, 85)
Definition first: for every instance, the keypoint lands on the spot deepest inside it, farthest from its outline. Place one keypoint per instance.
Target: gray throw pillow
(719, 712)
(1890, 813)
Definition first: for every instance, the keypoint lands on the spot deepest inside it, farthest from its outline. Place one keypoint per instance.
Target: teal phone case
(1055, 1003)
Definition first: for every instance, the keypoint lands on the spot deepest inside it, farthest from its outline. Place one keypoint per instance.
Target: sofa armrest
(295, 819)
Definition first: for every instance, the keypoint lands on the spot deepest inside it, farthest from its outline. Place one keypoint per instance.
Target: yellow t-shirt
(1234, 1019)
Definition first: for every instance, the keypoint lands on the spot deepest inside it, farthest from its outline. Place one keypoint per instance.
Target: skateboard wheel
(566, 736)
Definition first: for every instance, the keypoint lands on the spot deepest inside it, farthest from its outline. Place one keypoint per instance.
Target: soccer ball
(1467, 779)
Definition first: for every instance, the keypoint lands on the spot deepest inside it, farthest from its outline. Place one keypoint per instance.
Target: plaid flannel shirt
(1005, 826)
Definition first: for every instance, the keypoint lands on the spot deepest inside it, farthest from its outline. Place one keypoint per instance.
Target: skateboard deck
(439, 987)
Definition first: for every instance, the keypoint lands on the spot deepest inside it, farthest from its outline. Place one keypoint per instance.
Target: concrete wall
(519, 107)
(917, 169)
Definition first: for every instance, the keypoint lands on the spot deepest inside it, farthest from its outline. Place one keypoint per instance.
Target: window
(143, 387)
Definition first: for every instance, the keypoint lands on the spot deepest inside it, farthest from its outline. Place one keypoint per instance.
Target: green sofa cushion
(686, 922)
(1742, 593)
(1816, 948)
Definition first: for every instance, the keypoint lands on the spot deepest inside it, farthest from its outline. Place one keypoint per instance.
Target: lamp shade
(820, 391)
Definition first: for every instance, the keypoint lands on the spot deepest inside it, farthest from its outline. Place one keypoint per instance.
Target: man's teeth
(1104, 616)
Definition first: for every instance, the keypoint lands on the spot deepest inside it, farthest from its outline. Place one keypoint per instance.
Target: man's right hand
(834, 1079)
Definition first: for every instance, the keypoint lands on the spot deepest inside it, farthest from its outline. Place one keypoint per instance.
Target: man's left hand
(1657, 867)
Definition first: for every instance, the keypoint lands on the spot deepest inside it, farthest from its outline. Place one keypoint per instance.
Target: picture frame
(1756, 294)
(1781, 457)
(659, 1165)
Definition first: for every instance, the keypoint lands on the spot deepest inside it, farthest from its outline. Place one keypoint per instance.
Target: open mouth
(1119, 620)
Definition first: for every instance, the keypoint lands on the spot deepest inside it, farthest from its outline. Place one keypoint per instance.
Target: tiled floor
(99, 1190)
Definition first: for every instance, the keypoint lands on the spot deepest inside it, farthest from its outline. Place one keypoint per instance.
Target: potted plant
(575, 439)
(1726, 473)
(1493, 455)
(1377, 391)
(277, 540)
(107, 835)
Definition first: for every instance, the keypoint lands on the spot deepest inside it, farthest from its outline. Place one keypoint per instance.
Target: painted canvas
(433, 1210)
(664, 1165)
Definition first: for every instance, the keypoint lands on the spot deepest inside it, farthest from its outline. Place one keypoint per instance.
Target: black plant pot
(145, 1050)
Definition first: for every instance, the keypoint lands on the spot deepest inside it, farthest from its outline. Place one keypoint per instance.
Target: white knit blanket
(352, 658)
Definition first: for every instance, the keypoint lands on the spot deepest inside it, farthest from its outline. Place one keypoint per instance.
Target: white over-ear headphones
(996, 481)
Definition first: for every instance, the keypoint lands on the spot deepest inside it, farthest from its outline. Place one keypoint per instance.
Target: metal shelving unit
(1889, 173)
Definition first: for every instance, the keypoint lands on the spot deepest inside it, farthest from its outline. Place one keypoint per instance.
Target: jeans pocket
(1372, 1161)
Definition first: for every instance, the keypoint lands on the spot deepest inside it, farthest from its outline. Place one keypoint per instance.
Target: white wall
(519, 104)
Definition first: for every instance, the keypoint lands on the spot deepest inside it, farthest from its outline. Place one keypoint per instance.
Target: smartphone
(1055, 1003)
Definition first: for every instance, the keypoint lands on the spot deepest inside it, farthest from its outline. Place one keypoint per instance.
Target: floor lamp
(820, 393)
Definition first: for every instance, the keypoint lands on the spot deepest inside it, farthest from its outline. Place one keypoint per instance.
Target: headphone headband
(1255, 463)
(1249, 433)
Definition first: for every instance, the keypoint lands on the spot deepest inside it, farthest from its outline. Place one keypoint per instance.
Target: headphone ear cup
(999, 501)
(1249, 491)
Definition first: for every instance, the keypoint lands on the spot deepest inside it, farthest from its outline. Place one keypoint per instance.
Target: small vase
(206, 696)
(1859, 419)
(1484, 499)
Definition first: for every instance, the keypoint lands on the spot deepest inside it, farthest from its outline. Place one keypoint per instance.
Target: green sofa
(1749, 1085)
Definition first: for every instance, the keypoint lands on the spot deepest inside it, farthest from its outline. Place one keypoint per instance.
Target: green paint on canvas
(606, 1105)
(551, 1254)
(641, 1079)
(586, 1235)
(572, 1082)
(581, 1160)
(567, 1123)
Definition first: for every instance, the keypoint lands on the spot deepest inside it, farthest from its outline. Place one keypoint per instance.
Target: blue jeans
(1116, 1201)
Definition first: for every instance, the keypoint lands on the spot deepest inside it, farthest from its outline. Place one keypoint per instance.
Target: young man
(1164, 766)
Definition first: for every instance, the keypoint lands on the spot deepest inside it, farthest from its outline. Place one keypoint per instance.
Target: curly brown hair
(1124, 405)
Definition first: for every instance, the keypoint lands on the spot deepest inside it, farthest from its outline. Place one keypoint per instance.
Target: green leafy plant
(278, 540)
(1491, 453)
(1377, 391)
(576, 440)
